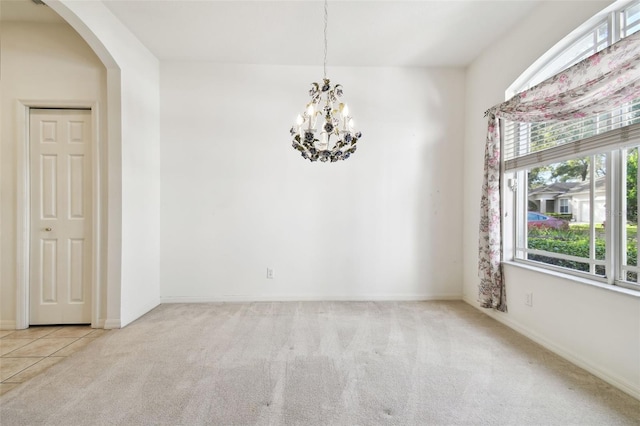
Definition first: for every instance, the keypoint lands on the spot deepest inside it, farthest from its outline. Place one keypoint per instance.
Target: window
(574, 184)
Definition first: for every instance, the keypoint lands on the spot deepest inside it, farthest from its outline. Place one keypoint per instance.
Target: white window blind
(527, 144)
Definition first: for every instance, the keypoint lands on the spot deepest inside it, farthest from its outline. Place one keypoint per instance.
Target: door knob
(47, 229)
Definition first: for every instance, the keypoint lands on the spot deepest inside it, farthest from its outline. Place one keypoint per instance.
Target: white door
(60, 243)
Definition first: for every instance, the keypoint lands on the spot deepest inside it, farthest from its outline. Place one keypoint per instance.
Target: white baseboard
(307, 298)
(7, 325)
(111, 323)
(614, 380)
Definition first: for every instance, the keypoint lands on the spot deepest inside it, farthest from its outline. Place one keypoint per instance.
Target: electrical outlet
(269, 273)
(528, 299)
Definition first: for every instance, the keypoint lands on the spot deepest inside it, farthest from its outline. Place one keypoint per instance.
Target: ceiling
(360, 33)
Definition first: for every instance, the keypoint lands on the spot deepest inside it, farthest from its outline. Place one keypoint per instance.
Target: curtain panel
(602, 82)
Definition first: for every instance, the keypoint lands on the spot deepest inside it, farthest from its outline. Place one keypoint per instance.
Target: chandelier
(325, 130)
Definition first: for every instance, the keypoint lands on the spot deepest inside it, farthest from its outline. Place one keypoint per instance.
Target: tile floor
(26, 353)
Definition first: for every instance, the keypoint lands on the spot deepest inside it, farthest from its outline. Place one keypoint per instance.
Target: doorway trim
(23, 206)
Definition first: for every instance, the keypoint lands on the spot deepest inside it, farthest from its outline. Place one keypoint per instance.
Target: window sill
(580, 280)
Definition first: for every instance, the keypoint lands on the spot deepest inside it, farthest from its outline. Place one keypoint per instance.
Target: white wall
(43, 62)
(596, 328)
(236, 198)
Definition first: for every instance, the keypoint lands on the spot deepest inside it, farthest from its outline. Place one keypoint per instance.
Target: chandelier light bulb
(299, 120)
(345, 110)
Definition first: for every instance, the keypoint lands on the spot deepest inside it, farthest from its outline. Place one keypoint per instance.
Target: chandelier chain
(326, 19)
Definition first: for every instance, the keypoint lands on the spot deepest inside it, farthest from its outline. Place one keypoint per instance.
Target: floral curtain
(600, 83)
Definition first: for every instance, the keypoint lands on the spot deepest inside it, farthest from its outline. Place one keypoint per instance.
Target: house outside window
(583, 172)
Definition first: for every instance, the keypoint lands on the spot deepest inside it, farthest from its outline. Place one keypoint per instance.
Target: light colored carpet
(324, 363)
